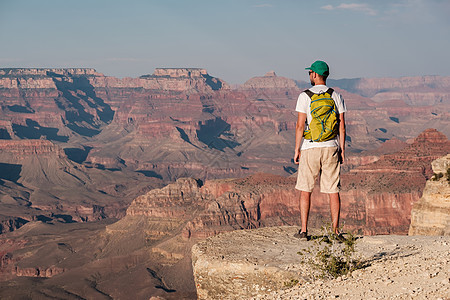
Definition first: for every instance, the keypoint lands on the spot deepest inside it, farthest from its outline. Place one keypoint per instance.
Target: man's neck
(320, 82)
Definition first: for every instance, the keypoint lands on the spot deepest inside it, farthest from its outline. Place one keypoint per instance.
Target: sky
(233, 39)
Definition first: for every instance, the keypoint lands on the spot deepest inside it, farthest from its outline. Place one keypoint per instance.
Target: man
(315, 156)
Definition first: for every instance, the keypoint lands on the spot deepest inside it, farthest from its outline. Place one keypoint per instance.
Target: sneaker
(301, 235)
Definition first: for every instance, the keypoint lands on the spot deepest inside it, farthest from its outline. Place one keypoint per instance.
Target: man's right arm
(299, 135)
(342, 136)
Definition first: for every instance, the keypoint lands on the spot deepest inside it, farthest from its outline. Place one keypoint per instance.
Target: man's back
(304, 106)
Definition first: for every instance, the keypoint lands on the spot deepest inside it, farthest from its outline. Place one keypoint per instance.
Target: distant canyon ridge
(78, 146)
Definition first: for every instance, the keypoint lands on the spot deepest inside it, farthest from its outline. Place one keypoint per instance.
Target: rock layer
(376, 198)
(431, 214)
(39, 183)
(181, 122)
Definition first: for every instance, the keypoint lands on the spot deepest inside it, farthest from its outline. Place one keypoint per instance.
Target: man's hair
(323, 77)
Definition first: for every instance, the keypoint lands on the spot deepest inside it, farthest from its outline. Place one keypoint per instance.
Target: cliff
(265, 264)
(431, 214)
(270, 86)
(21, 149)
(55, 104)
(269, 81)
(39, 183)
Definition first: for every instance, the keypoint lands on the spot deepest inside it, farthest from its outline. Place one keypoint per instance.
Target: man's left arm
(301, 119)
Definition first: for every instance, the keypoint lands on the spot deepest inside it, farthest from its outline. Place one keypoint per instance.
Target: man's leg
(335, 207)
(305, 203)
(308, 170)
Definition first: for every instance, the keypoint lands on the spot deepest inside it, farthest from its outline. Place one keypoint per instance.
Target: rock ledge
(263, 263)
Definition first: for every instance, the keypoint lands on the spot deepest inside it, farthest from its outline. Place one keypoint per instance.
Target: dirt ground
(265, 264)
(401, 267)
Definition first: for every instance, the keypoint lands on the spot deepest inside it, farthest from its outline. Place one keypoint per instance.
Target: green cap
(319, 67)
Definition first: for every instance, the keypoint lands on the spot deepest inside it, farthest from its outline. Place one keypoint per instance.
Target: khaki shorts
(315, 161)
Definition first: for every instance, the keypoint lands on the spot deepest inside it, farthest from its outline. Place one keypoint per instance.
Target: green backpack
(324, 124)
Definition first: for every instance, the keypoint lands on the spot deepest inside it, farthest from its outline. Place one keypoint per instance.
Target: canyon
(176, 122)
(39, 183)
(153, 240)
(112, 179)
(184, 122)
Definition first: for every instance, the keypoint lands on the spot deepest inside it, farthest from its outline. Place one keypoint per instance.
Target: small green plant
(332, 256)
(290, 283)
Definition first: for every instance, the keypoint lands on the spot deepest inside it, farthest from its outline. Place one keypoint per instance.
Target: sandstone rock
(38, 272)
(175, 200)
(256, 262)
(270, 74)
(264, 264)
(441, 165)
(183, 79)
(269, 81)
(21, 149)
(431, 214)
(180, 72)
(45, 71)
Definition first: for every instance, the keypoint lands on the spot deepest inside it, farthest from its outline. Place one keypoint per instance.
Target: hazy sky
(234, 40)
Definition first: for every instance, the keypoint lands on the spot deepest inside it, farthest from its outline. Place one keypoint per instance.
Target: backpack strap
(310, 94)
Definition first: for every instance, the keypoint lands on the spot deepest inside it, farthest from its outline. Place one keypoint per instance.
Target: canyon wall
(174, 123)
(39, 183)
(377, 198)
(184, 122)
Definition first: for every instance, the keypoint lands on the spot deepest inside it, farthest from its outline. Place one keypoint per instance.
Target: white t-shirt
(303, 106)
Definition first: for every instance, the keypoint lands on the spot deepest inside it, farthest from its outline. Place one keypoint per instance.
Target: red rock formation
(21, 149)
(395, 182)
(175, 123)
(173, 201)
(7, 258)
(377, 197)
(11, 223)
(39, 182)
(182, 117)
(38, 272)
